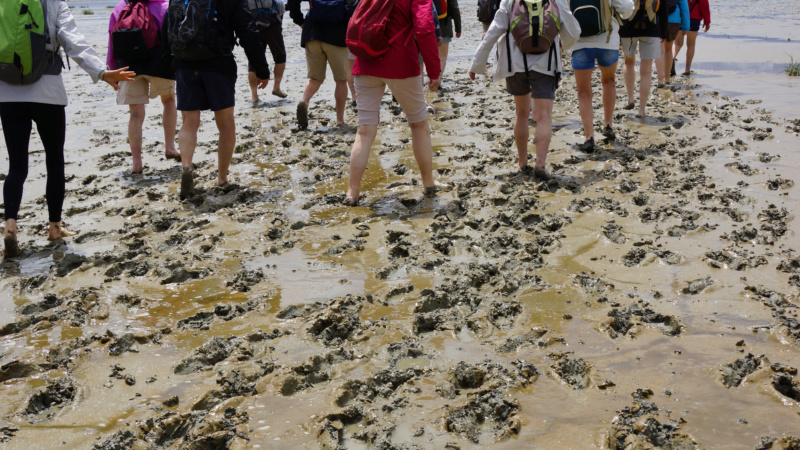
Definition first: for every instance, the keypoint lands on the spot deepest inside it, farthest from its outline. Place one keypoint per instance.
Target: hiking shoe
(539, 174)
(187, 183)
(302, 115)
(672, 68)
(11, 249)
(608, 132)
(588, 146)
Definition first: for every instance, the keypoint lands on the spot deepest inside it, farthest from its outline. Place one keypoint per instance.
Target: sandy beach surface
(646, 297)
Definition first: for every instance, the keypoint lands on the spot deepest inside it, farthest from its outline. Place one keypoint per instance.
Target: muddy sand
(646, 297)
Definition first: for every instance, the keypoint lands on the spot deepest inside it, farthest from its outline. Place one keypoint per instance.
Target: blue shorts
(694, 24)
(200, 90)
(584, 58)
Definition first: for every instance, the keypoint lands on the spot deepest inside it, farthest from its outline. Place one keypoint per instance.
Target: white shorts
(649, 47)
(142, 89)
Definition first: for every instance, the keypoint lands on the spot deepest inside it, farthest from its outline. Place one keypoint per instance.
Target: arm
(295, 13)
(249, 40)
(571, 29)
(454, 11)
(436, 25)
(421, 11)
(625, 8)
(496, 30)
(683, 5)
(75, 45)
(705, 12)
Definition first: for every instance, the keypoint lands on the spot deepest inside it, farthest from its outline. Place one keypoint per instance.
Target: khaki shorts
(142, 89)
(649, 47)
(407, 91)
(319, 53)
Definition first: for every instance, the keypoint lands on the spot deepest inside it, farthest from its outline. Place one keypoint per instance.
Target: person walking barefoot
(154, 78)
(43, 102)
(398, 69)
(699, 12)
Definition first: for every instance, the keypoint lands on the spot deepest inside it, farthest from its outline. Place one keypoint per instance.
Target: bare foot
(58, 232)
(437, 186)
(351, 198)
(173, 154)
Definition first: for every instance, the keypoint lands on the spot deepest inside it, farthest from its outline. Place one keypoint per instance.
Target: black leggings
(17, 119)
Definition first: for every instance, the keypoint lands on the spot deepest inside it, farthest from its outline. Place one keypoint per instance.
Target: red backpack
(366, 31)
(441, 8)
(135, 35)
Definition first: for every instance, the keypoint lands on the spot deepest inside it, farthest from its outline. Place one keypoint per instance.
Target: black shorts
(694, 24)
(273, 38)
(199, 90)
(540, 85)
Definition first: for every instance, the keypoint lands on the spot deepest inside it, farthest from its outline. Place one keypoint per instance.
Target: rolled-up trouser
(407, 91)
(17, 119)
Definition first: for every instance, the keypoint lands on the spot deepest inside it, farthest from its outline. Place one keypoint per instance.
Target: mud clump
(246, 279)
(637, 426)
(48, 401)
(732, 259)
(625, 321)
(574, 372)
(207, 355)
(697, 286)
(733, 374)
(120, 440)
(592, 285)
(489, 408)
(469, 377)
(786, 385)
(783, 443)
(315, 370)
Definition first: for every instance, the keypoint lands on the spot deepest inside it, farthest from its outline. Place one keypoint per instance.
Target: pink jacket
(157, 7)
(413, 18)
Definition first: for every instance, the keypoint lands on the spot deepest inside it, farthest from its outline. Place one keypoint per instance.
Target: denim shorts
(584, 58)
(694, 24)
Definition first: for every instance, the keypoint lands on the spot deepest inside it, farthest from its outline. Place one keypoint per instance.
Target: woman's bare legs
(522, 106)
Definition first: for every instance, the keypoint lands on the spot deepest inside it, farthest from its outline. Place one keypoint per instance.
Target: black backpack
(671, 5)
(487, 10)
(194, 29)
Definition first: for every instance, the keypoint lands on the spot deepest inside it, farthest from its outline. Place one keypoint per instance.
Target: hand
(113, 77)
(706, 26)
(472, 76)
(458, 35)
(433, 85)
(439, 40)
(263, 83)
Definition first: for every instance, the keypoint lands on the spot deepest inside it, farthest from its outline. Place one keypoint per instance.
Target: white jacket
(626, 9)
(64, 33)
(496, 34)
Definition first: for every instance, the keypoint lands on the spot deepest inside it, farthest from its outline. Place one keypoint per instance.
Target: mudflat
(645, 297)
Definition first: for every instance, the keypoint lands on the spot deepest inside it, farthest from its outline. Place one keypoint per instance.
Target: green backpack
(23, 38)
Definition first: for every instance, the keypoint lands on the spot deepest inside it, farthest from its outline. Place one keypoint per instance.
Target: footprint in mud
(624, 322)
(592, 285)
(638, 426)
(317, 369)
(207, 355)
(734, 258)
(695, 287)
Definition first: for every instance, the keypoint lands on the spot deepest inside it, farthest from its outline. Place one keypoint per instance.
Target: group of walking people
(182, 52)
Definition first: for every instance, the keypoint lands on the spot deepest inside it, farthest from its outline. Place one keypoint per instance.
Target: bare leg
(340, 95)
(423, 152)
(678, 44)
(359, 156)
(660, 65)
(691, 40)
(226, 124)
(187, 136)
(544, 128)
(311, 88)
(252, 80)
(666, 57)
(278, 74)
(444, 48)
(630, 77)
(350, 79)
(11, 226)
(583, 80)
(135, 134)
(609, 83)
(169, 121)
(522, 104)
(645, 82)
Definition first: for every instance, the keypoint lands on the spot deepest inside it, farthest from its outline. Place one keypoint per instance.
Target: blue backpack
(327, 11)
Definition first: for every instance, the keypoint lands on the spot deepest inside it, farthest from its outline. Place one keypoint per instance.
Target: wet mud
(620, 305)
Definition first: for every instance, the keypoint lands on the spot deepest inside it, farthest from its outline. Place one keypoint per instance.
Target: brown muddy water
(646, 298)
